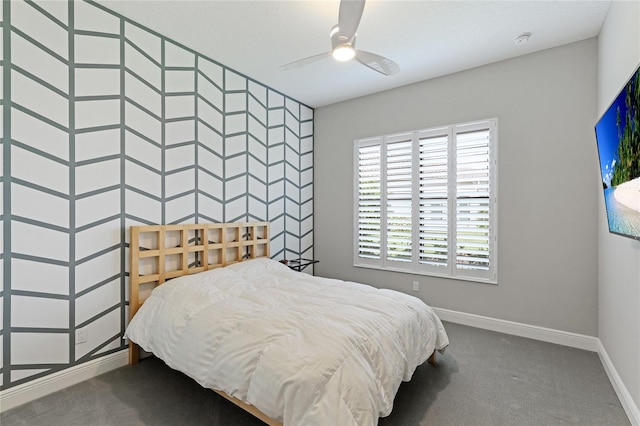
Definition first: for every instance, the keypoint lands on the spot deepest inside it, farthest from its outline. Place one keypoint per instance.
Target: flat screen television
(618, 140)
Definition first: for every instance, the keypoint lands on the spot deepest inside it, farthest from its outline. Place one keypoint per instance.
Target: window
(426, 201)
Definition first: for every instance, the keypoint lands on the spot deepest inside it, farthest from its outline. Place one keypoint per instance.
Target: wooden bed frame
(162, 252)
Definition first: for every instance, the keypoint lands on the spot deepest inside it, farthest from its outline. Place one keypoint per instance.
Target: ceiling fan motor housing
(342, 49)
(337, 39)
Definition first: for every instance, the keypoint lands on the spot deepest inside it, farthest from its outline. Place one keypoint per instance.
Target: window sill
(430, 274)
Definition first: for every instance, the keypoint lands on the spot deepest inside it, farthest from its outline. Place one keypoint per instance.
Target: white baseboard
(543, 334)
(629, 405)
(564, 338)
(37, 388)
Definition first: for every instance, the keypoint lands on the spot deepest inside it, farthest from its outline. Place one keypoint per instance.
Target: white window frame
(415, 266)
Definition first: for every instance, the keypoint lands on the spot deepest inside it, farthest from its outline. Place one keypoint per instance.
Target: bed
(286, 346)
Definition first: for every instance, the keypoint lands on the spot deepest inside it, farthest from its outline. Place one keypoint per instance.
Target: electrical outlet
(416, 286)
(81, 335)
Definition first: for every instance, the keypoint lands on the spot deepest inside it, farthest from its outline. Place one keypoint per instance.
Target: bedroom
(562, 272)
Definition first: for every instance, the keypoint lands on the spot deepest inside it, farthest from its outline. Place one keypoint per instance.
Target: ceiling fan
(343, 40)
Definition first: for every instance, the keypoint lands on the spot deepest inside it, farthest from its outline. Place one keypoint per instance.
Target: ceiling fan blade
(349, 18)
(377, 63)
(304, 61)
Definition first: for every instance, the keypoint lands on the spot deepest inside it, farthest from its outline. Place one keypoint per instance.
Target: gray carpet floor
(484, 378)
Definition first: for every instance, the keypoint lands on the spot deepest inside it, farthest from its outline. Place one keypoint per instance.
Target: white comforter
(304, 350)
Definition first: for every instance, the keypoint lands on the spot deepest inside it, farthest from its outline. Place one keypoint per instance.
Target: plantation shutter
(369, 203)
(473, 200)
(399, 196)
(426, 202)
(434, 206)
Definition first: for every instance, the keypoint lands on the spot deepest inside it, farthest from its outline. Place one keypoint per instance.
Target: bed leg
(134, 353)
(432, 358)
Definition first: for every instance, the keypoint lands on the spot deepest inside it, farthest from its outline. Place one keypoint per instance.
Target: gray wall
(546, 105)
(619, 257)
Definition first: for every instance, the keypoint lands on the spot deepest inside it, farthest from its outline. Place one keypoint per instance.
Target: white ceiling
(426, 38)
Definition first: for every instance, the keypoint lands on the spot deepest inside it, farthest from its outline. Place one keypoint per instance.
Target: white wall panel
(143, 66)
(39, 63)
(257, 129)
(27, 347)
(38, 98)
(257, 109)
(95, 176)
(236, 166)
(210, 185)
(29, 275)
(235, 102)
(97, 269)
(235, 145)
(92, 145)
(257, 189)
(90, 18)
(98, 332)
(97, 238)
(234, 81)
(97, 50)
(21, 374)
(209, 91)
(58, 9)
(258, 170)
(180, 207)
(276, 210)
(143, 39)
(256, 208)
(180, 81)
(142, 150)
(236, 210)
(210, 139)
(210, 161)
(179, 131)
(97, 301)
(40, 242)
(36, 311)
(276, 118)
(258, 149)
(142, 94)
(210, 115)
(235, 123)
(92, 209)
(28, 202)
(179, 106)
(236, 187)
(96, 81)
(178, 157)
(97, 113)
(143, 123)
(176, 56)
(143, 207)
(39, 27)
(213, 71)
(177, 183)
(39, 170)
(209, 207)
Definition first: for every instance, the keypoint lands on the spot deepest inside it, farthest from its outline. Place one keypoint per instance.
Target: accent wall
(107, 124)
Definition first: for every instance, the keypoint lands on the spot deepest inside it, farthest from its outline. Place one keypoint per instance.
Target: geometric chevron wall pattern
(105, 125)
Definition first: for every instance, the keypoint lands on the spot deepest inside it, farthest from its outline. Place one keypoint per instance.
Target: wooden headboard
(162, 252)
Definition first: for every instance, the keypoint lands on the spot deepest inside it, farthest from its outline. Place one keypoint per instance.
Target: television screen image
(618, 139)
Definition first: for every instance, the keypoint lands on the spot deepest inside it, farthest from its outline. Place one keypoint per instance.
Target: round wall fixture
(522, 38)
